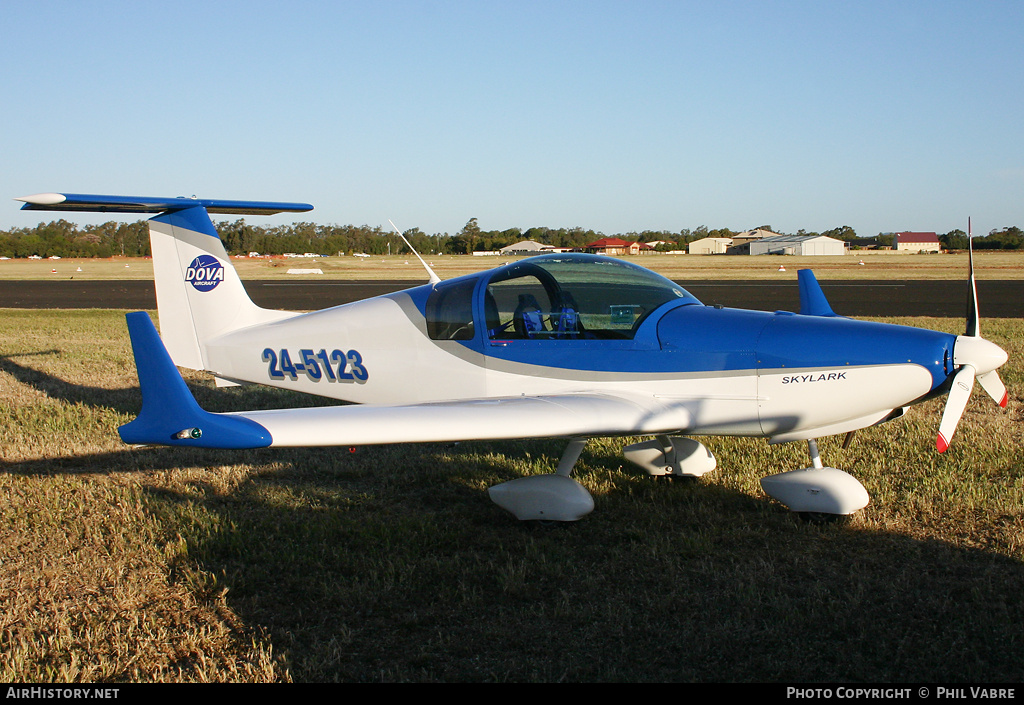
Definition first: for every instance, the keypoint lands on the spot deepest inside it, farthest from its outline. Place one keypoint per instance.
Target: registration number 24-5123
(336, 366)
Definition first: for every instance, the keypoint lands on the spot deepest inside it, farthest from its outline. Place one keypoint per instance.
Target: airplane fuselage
(737, 372)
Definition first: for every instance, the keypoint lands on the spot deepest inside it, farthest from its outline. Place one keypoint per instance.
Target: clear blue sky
(615, 116)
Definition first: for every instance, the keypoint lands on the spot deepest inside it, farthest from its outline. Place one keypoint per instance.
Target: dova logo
(205, 273)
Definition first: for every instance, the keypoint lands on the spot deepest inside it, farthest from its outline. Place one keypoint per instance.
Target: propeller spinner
(977, 358)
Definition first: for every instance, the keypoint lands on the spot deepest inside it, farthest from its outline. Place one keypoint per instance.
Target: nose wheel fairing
(817, 489)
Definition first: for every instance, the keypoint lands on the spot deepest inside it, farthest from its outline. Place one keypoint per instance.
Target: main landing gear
(558, 497)
(817, 493)
(547, 498)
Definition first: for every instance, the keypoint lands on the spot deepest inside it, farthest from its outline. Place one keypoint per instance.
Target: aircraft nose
(983, 355)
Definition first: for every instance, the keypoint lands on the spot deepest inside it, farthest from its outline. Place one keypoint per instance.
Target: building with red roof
(617, 246)
(916, 242)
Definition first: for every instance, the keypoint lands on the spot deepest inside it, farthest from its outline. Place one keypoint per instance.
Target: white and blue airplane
(567, 346)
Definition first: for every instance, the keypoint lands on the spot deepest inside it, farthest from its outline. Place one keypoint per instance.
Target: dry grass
(94, 586)
(390, 564)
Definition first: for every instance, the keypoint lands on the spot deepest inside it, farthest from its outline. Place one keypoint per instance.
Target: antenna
(434, 279)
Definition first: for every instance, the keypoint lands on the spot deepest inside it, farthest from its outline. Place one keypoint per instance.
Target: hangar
(527, 247)
(798, 245)
(710, 246)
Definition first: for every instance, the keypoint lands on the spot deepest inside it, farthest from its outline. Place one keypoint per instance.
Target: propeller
(977, 358)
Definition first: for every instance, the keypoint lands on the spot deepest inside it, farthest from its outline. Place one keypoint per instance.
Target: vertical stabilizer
(198, 293)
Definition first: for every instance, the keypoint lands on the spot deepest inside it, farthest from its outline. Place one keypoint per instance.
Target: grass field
(390, 563)
(876, 265)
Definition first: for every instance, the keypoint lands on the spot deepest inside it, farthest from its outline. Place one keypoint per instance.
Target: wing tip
(43, 199)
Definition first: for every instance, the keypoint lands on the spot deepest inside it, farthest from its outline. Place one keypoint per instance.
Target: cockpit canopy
(551, 297)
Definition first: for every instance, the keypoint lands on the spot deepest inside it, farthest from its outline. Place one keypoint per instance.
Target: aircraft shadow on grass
(128, 400)
(124, 401)
(332, 587)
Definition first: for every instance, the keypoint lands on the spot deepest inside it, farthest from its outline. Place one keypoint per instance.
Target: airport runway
(942, 298)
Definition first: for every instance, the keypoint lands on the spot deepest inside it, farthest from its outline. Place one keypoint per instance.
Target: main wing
(171, 416)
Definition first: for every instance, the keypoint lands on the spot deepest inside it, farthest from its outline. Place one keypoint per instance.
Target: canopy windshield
(574, 296)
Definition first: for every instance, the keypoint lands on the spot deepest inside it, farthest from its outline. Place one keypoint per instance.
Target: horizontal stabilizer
(89, 203)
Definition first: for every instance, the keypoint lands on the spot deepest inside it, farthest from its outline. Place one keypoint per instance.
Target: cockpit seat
(528, 320)
(566, 322)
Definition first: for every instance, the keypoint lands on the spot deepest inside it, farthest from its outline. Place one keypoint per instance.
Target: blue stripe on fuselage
(694, 338)
(688, 337)
(683, 339)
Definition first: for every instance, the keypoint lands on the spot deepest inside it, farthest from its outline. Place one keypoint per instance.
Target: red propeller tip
(1002, 402)
(941, 444)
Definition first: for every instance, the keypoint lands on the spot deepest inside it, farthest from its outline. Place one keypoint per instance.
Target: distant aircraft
(562, 345)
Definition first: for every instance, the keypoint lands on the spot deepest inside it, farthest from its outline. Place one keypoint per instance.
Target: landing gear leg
(570, 455)
(812, 450)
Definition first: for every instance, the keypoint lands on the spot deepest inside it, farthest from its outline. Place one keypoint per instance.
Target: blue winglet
(812, 299)
(170, 414)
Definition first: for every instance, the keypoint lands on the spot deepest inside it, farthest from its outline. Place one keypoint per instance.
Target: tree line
(64, 239)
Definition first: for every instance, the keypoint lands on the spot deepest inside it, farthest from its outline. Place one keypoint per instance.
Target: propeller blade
(972, 353)
(973, 325)
(959, 394)
(991, 383)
